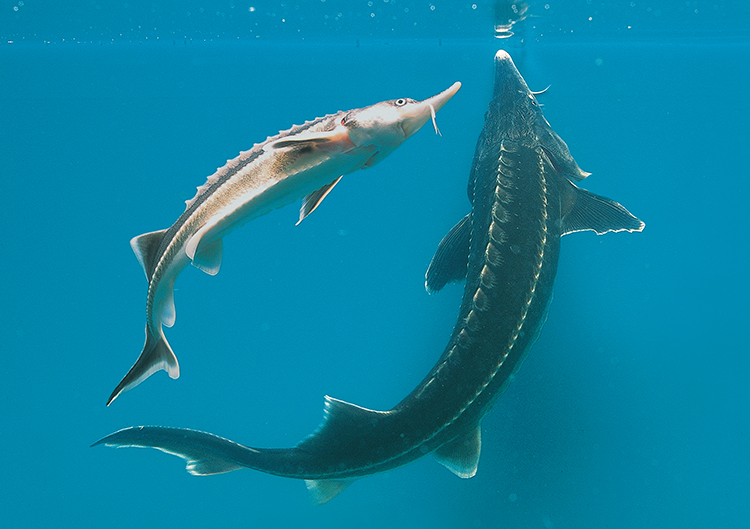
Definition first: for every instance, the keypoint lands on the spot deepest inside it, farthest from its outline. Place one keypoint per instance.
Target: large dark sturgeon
(523, 201)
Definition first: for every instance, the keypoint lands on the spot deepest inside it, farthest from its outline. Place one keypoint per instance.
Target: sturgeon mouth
(417, 115)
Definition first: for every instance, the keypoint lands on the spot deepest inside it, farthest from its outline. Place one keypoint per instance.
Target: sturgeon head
(387, 125)
(506, 251)
(305, 162)
(381, 127)
(515, 114)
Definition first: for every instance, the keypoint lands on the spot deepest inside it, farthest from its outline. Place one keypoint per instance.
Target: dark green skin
(507, 250)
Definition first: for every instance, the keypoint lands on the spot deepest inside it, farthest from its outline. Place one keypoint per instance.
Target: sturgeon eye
(400, 102)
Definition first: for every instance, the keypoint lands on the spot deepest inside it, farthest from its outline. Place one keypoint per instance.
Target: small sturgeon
(306, 162)
(523, 202)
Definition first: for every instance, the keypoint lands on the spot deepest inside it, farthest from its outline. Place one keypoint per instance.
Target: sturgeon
(523, 201)
(306, 162)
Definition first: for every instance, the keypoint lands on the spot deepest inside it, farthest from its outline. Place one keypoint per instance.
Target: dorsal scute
(253, 152)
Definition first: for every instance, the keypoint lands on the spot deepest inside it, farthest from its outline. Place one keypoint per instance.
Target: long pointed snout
(442, 98)
(507, 77)
(416, 115)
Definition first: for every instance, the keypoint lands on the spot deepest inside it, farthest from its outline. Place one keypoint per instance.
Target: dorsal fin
(313, 200)
(340, 418)
(145, 247)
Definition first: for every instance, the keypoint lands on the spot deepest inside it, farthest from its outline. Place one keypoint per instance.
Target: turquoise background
(630, 411)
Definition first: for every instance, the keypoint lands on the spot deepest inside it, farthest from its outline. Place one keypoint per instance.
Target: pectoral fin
(451, 259)
(298, 142)
(313, 200)
(583, 210)
(461, 456)
(335, 140)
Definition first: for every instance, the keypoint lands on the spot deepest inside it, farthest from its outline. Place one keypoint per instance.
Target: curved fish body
(506, 249)
(306, 162)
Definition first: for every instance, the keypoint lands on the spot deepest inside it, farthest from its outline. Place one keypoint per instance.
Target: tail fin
(156, 356)
(205, 453)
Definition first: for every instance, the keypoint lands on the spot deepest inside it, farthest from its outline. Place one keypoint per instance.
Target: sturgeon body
(306, 162)
(523, 201)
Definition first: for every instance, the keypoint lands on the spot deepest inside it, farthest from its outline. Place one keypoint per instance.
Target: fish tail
(204, 453)
(157, 355)
(207, 454)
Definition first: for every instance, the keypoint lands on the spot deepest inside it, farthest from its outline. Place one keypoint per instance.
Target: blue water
(630, 411)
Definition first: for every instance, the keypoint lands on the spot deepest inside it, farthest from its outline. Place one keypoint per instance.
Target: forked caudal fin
(207, 453)
(204, 453)
(156, 356)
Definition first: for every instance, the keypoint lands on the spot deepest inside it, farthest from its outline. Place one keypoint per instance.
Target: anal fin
(208, 465)
(461, 455)
(324, 490)
(164, 303)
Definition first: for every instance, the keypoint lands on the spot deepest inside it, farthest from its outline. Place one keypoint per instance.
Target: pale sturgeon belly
(250, 194)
